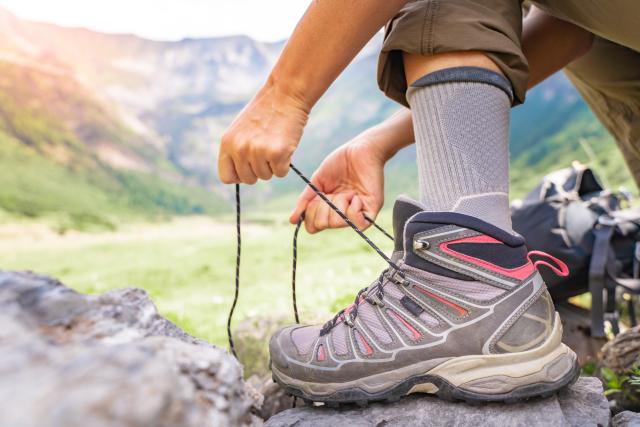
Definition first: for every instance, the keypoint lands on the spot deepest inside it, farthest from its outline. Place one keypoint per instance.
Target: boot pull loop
(560, 268)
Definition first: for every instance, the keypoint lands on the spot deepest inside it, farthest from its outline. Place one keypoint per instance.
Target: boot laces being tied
(460, 312)
(339, 315)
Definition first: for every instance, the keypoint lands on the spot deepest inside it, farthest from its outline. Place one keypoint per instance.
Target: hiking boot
(468, 317)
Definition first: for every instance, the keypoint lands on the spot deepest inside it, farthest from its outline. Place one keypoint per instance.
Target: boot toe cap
(282, 347)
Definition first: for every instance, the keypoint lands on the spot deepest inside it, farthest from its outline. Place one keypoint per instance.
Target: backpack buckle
(607, 221)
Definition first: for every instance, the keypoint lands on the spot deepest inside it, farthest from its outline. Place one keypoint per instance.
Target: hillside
(64, 154)
(137, 121)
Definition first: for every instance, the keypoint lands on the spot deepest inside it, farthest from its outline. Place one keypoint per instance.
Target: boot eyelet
(420, 245)
(348, 321)
(377, 300)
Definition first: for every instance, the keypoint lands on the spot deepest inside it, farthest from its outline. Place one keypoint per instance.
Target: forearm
(391, 135)
(327, 38)
(548, 43)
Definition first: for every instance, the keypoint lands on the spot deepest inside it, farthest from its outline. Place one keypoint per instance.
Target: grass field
(187, 266)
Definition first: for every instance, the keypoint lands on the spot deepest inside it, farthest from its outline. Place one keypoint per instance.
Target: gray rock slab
(580, 405)
(70, 360)
(626, 419)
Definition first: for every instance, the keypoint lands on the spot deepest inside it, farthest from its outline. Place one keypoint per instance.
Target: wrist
(286, 91)
(390, 136)
(373, 144)
(381, 143)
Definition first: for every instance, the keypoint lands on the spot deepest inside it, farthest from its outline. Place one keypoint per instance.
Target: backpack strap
(603, 231)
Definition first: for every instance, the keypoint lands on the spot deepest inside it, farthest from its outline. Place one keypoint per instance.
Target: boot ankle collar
(466, 221)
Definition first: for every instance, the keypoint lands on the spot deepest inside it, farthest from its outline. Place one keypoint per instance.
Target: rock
(111, 360)
(580, 405)
(274, 399)
(626, 419)
(623, 352)
(583, 403)
(620, 355)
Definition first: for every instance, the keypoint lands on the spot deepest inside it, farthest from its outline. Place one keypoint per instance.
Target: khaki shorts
(608, 77)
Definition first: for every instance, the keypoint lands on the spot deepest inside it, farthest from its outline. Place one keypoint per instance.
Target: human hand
(352, 177)
(261, 140)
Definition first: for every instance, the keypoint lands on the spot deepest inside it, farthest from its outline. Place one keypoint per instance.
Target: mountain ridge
(168, 103)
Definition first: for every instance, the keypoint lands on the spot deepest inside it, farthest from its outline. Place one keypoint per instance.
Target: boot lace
(372, 294)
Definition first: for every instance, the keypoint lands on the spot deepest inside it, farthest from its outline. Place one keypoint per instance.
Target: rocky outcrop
(71, 360)
(581, 405)
(626, 419)
(620, 356)
(111, 360)
(623, 352)
(273, 398)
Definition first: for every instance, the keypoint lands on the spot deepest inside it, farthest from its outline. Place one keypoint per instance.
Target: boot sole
(509, 378)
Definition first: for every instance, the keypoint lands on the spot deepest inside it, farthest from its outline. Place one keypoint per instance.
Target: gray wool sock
(461, 126)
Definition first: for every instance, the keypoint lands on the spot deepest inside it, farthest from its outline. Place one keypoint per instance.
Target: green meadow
(187, 266)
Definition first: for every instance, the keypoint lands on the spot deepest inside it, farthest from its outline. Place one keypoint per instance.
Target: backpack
(572, 217)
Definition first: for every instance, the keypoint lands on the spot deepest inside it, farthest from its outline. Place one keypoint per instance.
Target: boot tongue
(403, 209)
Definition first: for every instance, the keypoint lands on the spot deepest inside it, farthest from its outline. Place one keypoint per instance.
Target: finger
(301, 205)
(262, 169)
(244, 171)
(354, 212)
(372, 211)
(280, 169)
(342, 202)
(321, 220)
(280, 159)
(227, 170)
(310, 215)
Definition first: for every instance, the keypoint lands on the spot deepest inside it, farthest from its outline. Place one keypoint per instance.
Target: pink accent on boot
(519, 273)
(563, 271)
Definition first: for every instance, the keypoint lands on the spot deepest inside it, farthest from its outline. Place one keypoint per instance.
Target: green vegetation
(560, 149)
(187, 266)
(623, 388)
(77, 198)
(49, 130)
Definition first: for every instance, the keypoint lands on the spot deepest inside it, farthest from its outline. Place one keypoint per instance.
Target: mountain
(555, 127)
(65, 151)
(181, 94)
(123, 106)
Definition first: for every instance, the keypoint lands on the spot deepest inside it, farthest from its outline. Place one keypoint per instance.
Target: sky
(265, 20)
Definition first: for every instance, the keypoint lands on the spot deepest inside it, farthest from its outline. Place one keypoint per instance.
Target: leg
(461, 128)
(608, 78)
(463, 313)
(614, 20)
(460, 112)
(416, 66)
